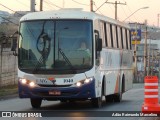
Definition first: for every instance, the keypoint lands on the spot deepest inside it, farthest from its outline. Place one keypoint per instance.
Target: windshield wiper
(67, 60)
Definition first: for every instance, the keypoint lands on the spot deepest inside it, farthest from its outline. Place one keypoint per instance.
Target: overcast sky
(124, 11)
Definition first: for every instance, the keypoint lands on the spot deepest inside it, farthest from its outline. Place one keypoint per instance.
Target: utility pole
(91, 5)
(135, 52)
(41, 5)
(116, 3)
(145, 49)
(32, 6)
(148, 71)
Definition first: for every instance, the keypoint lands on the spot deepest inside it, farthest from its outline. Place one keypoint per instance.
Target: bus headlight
(24, 81)
(27, 82)
(85, 81)
(88, 80)
(32, 84)
(78, 84)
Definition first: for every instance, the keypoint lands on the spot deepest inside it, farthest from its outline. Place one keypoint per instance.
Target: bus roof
(69, 13)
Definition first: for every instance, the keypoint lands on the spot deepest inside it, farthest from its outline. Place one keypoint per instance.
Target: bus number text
(68, 80)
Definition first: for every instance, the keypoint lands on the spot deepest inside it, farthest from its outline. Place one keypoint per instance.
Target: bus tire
(97, 102)
(109, 98)
(118, 97)
(36, 103)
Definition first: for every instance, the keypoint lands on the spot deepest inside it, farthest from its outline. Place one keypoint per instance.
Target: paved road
(132, 101)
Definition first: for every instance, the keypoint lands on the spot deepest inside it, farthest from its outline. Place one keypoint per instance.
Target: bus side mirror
(99, 44)
(14, 45)
(98, 41)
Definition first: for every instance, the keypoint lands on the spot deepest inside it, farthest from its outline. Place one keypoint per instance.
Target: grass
(8, 90)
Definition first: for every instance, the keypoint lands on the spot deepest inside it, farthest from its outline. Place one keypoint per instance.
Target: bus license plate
(55, 92)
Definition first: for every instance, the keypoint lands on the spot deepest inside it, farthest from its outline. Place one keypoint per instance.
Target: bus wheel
(118, 97)
(36, 103)
(97, 102)
(109, 98)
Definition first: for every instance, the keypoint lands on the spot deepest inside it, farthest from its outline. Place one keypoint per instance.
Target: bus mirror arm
(14, 43)
(97, 32)
(98, 41)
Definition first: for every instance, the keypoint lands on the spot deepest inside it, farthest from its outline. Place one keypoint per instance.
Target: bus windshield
(59, 46)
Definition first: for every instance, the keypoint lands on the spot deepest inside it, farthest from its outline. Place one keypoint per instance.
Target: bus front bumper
(85, 91)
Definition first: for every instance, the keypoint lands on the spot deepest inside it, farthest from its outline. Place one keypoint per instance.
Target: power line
(10, 9)
(101, 5)
(116, 3)
(49, 2)
(80, 3)
(97, 8)
(111, 8)
(49, 6)
(130, 11)
(22, 3)
(124, 11)
(9, 21)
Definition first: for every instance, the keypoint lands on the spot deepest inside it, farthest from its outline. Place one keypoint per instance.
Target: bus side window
(128, 37)
(122, 38)
(127, 45)
(111, 35)
(119, 37)
(102, 33)
(105, 32)
(130, 40)
(114, 36)
(108, 33)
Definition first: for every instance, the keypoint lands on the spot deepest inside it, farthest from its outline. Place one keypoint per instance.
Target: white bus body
(107, 72)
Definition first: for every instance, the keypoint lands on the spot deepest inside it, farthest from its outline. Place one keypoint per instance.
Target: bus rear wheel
(109, 98)
(36, 103)
(118, 97)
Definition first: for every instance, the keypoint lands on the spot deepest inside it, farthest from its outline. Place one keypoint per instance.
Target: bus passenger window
(111, 35)
(114, 36)
(119, 37)
(126, 39)
(108, 33)
(105, 32)
(122, 38)
(102, 33)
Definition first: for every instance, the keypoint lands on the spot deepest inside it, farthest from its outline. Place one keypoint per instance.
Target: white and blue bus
(70, 54)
